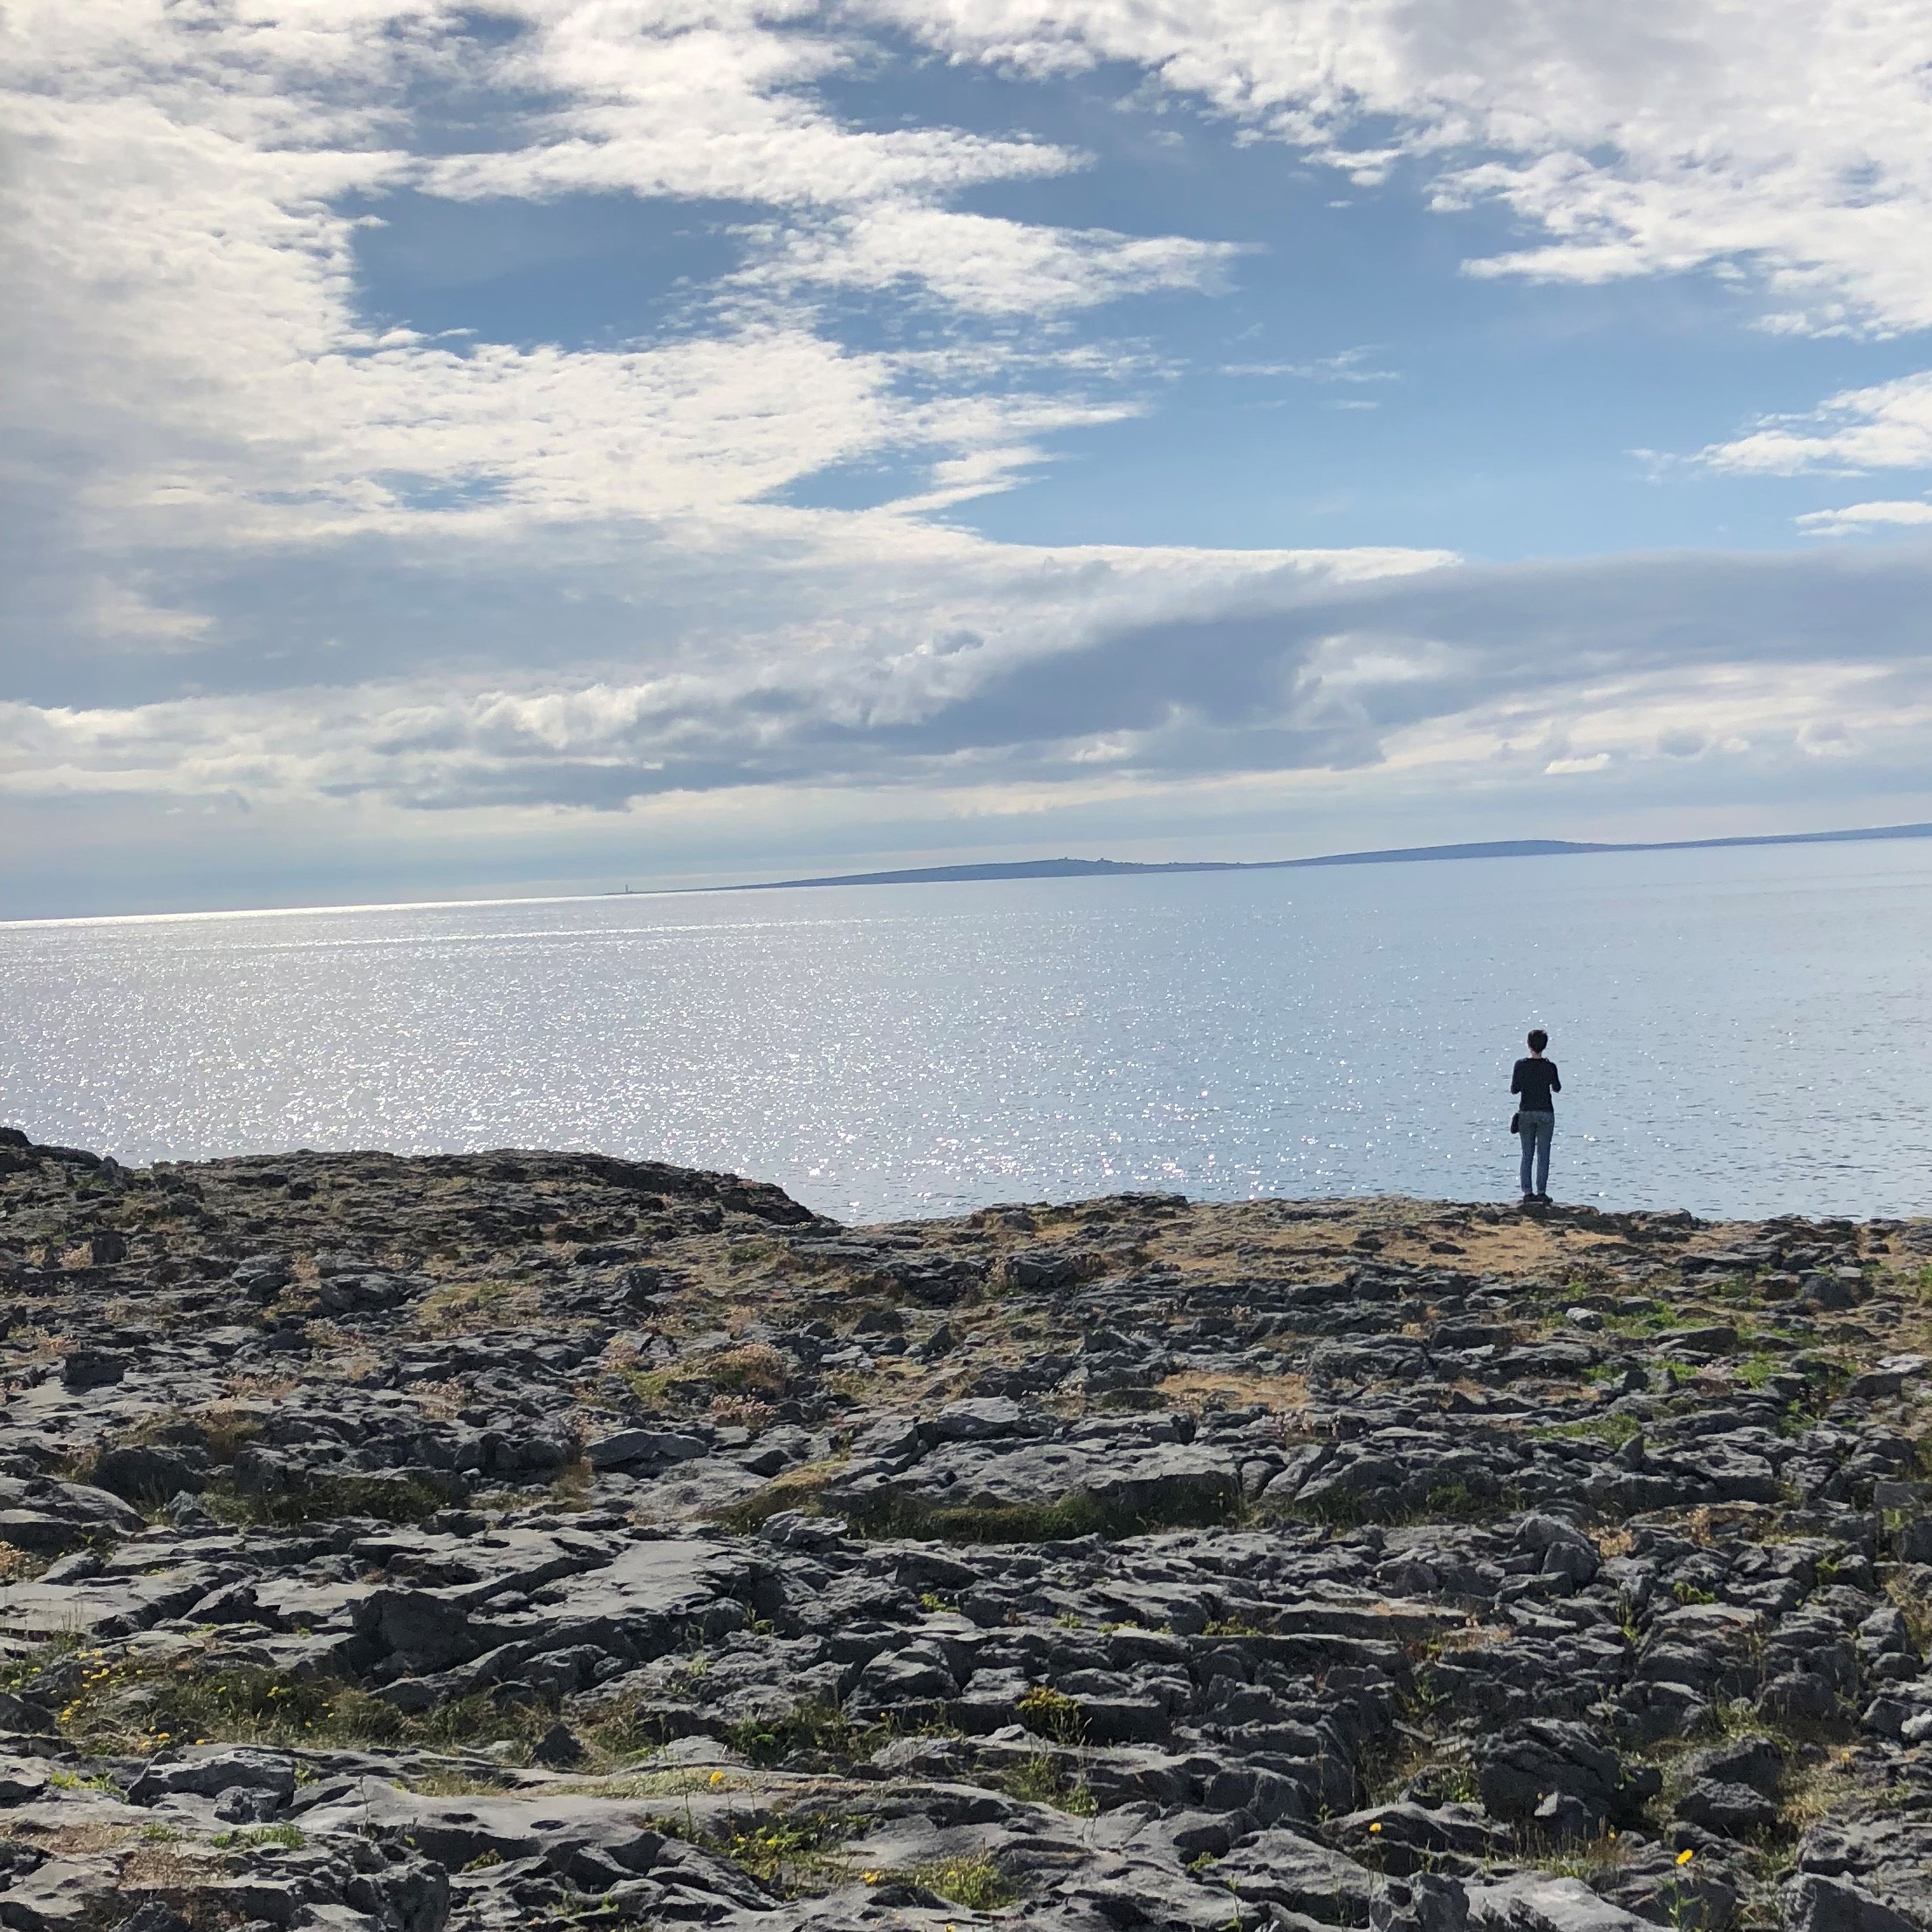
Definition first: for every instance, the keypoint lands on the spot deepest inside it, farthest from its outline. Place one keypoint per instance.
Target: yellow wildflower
(1685, 1856)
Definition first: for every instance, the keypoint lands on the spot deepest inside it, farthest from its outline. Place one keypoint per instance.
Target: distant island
(1501, 848)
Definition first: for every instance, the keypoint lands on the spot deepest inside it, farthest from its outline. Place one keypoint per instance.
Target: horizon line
(1017, 870)
(993, 870)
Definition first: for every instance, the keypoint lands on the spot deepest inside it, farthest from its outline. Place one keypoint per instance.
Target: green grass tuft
(1053, 1714)
(976, 1883)
(811, 1727)
(286, 1838)
(1042, 1779)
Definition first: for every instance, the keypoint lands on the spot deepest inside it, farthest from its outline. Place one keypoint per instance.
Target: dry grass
(169, 1868)
(571, 1487)
(467, 1307)
(446, 1400)
(34, 1345)
(1515, 1246)
(75, 1840)
(1916, 1609)
(260, 1388)
(225, 1426)
(1474, 1637)
(16, 1566)
(1208, 1388)
(754, 1368)
(799, 1487)
(1823, 1791)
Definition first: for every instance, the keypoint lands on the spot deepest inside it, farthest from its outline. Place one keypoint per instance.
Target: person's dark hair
(1538, 1040)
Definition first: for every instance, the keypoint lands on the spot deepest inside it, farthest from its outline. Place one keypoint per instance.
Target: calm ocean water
(1740, 1032)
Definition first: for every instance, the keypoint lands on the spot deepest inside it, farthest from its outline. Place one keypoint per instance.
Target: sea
(1740, 1032)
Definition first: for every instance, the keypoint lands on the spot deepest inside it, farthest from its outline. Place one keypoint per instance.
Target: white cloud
(190, 341)
(122, 614)
(664, 103)
(1854, 518)
(981, 264)
(709, 102)
(1793, 137)
(1030, 670)
(1351, 366)
(850, 670)
(1887, 425)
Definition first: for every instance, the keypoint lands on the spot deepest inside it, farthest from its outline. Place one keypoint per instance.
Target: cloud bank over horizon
(587, 437)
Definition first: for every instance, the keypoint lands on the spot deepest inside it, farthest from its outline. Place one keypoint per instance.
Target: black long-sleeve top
(1533, 1081)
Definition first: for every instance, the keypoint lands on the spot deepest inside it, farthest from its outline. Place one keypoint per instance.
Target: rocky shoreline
(548, 1540)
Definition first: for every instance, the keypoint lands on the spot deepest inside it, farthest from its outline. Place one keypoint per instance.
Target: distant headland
(1505, 848)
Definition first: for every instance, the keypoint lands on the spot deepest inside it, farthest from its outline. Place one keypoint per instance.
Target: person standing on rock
(1533, 1083)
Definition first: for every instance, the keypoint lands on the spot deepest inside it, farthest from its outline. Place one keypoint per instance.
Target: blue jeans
(1536, 1132)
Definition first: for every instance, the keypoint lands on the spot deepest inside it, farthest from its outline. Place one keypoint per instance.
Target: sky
(571, 443)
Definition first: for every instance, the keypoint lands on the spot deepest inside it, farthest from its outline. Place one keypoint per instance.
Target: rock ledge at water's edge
(548, 1540)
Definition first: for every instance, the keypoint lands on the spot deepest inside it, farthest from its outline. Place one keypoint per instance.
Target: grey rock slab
(630, 1446)
(78, 1503)
(1406, 1838)
(895, 1440)
(296, 1602)
(1729, 1810)
(991, 1473)
(1526, 1762)
(1366, 1618)
(144, 1474)
(1815, 1903)
(997, 1474)
(104, 1606)
(512, 1559)
(674, 1577)
(1137, 1891)
(65, 1895)
(23, 1781)
(793, 1529)
(1758, 1762)
(1171, 1476)
(979, 1417)
(208, 1771)
(695, 1489)
(454, 1830)
(1281, 1868)
(1536, 1903)
(1886, 1857)
(25, 1716)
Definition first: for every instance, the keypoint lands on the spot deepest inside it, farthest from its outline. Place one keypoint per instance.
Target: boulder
(210, 1772)
(141, 1474)
(1729, 1810)
(1526, 1762)
(1815, 1903)
(64, 1895)
(93, 1368)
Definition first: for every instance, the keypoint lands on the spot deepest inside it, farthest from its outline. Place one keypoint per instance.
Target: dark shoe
(1543, 1200)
